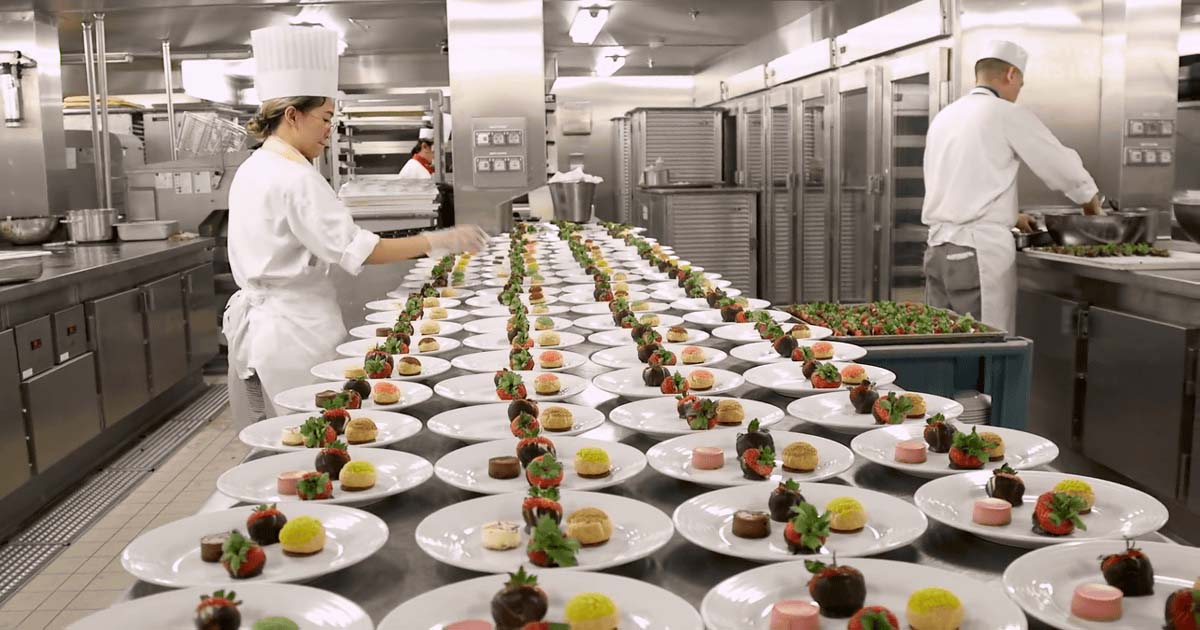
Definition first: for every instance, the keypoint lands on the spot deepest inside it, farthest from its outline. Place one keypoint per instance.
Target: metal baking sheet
(990, 335)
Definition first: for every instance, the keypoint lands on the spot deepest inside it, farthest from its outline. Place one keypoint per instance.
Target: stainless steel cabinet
(166, 332)
(1052, 322)
(14, 451)
(70, 333)
(714, 230)
(35, 346)
(687, 139)
(64, 413)
(116, 331)
(200, 299)
(814, 280)
(777, 231)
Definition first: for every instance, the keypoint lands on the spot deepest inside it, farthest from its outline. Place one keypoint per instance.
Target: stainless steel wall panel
(200, 300)
(15, 468)
(687, 140)
(60, 423)
(166, 332)
(115, 327)
(717, 232)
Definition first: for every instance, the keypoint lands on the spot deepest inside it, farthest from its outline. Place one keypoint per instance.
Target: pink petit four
(993, 512)
(910, 452)
(708, 457)
(1097, 602)
(286, 482)
(795, 614)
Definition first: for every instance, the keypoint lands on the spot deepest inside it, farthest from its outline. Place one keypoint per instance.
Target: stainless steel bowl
(28, 231)
(1188, 214)
(1115, 227)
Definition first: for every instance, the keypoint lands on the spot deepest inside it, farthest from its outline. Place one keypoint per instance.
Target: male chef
(971, 162)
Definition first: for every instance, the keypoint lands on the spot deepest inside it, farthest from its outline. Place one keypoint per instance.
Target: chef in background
(972, 154)
(420, 163)
(287, 228)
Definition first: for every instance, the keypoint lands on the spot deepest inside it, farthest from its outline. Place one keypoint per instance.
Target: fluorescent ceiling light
(587, 24)
(607, 66)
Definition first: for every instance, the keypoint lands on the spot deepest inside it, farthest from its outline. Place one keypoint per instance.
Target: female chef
(287, 228)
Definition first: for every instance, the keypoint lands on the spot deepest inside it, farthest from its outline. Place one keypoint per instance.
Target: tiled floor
(88, 575)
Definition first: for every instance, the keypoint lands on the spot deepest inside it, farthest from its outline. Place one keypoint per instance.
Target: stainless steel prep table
(401, 571)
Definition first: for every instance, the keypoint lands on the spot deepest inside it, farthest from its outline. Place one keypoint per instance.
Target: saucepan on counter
(91, 225)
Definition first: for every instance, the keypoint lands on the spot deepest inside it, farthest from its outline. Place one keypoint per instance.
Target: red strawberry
(969, 451)
(378, 368)
(802, 354)
(1183, 609)
(337, 418)
(826, 377)
(677, 384)
(545, 625)
(663, 357)
(314, 487)
(874, 618)
(1057, 514)
(807, 531)
(891, 410)
(317, 433)
(544, 472)
(741, 317)
(757, 464)
(702, 415)
(353, 399)
(524, 423)
(241, 557)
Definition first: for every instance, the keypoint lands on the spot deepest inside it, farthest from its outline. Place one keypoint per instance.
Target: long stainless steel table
(401, 571)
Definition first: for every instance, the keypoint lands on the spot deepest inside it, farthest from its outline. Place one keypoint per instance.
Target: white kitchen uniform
(413, 169)
(972, 154)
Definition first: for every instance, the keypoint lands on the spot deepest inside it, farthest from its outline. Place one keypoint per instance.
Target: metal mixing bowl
(1115, 227)
(1188, 215)
(28, 231)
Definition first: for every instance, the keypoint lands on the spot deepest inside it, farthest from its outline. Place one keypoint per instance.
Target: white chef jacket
(414, 170)
(971, 162)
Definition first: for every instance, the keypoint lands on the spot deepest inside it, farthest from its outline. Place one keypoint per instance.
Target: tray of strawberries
(893, 323)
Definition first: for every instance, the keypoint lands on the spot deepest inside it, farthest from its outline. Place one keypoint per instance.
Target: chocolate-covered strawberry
(361, 386)
(1057, 514)
(891, 410)
(396, 343)
(1183, 609)
(702, 415)
(802, 354)
(939, 434)
(676, 384)
(785, 345)
(624, 319)
(826, 377)
(520, 359)
(218, 611)
(647, 350)
(756, 464)
(264, 524)
(241, 557)
(519, 602)
(730, 312)
(525, 424)
(317, 433)
(663, 357)
(533, 446)
(521, 340)
(810, 367)
(683, 404)
(1129, 571)
(522, 405)
(1006, 484)
(839, 591)
(783, 498)
(969, 451)
(873, 618)
(644, 334)
(654, 375)
(863, 397)
(544, 472)
(754, 437)
(713, 298)
(541, 502)
(332, 459)
(549, 546)
(509, 385)
(807, 530)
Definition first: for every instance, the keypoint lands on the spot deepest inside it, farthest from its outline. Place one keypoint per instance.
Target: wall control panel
(1149, 142)
(499, 152)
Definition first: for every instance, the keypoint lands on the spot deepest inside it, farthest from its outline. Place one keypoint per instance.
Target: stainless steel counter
(1172, 284)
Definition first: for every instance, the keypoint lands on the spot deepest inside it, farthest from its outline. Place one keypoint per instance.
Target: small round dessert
(591, 611)
(692, 355)
(386, 393)
(934, 609)
(822, 350)
(650, 320)
(431, 302)
(996, 453)
(548, 339)
(469, 624)
(211, 547)
(847, 515)
(677, 334)
(730, 412)
(408, 366)
(357, 372)
(275, 623)
(557, 419)
(800, 457)
(701, 380)
(992, 512)
(853, 374)
(438, 313)
(800, 331)
(551, 359)
(428, 344)
(361, 431)
(640, 305)
(543, 323)
(590, 526)
(1078, 488)
(795, 614)
(751, 524)
(547, 384)
(918, 409)
(592, 463)
(501, 535)
(1097, 602)
(290, 436)
(910, 452)
(302, 536)
(429, 327)
(285, 483)
(358, 475)
(504, 467)
(708, 458)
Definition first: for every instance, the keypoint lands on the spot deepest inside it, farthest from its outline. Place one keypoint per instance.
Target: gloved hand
(456, 240)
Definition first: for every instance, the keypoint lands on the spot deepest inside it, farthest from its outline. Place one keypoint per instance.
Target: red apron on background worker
(420, 163)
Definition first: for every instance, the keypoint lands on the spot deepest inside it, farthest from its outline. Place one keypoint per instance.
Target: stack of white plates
(977, 407)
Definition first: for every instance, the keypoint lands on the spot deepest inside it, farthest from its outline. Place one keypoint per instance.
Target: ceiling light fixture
(609, 64)
(587, 24)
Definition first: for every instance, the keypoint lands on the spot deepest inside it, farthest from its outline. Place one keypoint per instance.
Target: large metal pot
(91, 225)
(1187, 212)
(572, 200)
(28, 231)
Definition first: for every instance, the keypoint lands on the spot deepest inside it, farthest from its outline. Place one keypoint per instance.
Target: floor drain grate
(163, 441)
(18, 563)
(71, 516)
(206, 406)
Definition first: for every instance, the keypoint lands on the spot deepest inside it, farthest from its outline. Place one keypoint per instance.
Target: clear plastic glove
(456, 240)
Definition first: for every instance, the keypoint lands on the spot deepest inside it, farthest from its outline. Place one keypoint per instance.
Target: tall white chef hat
(1007, 52)
(295, 61)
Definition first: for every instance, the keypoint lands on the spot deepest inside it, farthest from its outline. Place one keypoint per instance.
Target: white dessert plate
(451, 313)
(833, 411)
(1021, 450)
(471, 280)
(642, 606)
(500, 325)
(396, 304)
(711, 318)
(583, 278)
(627, 383)
(701, 304)
(748, 333)
(583, 288)
(304, 398)
(494, 292)
(677, 293)
(763, 352)
(547, 280)
(255, 481)
(673, 284)
(452, 534)
(584, 297)
(673, 458)
(332, 370)
(499, 341)
(622, 336)
(605, 322)
(744, 601)
(458, 294)
(494, 360)
(788, 379)
(621, 357)
(602, 308)
(359, 347)
(502, 311)
(1041, 582)
(478, 389)
(393, 427)
(467, 467)
(483, 423)
(1119, 511)
(170, 554)
(484, 301)
(659, 416)
(707, 521)
(367, 331)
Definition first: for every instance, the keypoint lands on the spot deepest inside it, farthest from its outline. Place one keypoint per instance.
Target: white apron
(996, 253)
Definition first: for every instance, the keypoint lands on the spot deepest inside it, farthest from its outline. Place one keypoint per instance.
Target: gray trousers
(247, 401)
(952, 279)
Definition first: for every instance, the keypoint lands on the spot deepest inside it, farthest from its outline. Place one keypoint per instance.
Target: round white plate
(744, 601)
(621, 357)
(393, 427)
(304, 398)
(627, 383)
(254, 481)
(605, 322)
(471, 280)
(308, 607)
(582, 288)
(677, 293)
(711, 318)
(485, 301)
(707, 521)
(1041, 582)
(483, 423)
(673, 284)
(394, 311)
(495, 292)
(833, 411)
(622, 337)
(170, 554)
(701, 304)
(367, 331)
(582, 297)
(451, 535)
(658, 416)
(478, 389)
(643, 606)
(495, 360)
(547, 280)
(459, 294)
(748, 333)
(332, 370)
(1119, 511)
(787, 378)
(1021, 450)
(499, 341)
(359, 347)
(763, 352)
(673, 458)
(500, 325)
(601, 308)
(396, 304)
(502, 311)
(467, 467)
(582, 278)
